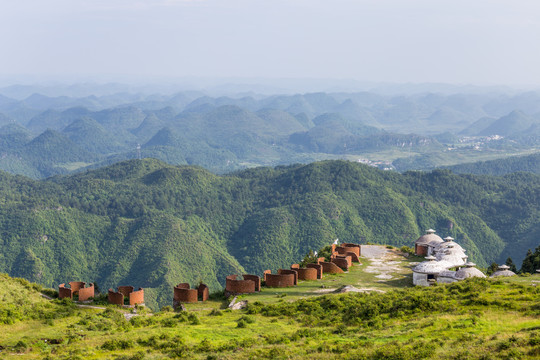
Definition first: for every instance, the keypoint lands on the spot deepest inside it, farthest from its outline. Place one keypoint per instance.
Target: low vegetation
(473, 319)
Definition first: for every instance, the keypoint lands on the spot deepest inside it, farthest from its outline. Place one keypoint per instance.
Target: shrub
(194, 319)
(117, 344)
(169, 322)
(241, 324)
(247, 319)
(407, 250)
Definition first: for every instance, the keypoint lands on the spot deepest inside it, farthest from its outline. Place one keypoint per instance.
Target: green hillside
(149, 224)
(529, 163)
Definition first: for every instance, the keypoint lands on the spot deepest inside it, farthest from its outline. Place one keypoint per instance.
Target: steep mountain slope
(153, 225)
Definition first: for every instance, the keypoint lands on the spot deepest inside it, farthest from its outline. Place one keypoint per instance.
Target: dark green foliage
(492, 268)
(153, 225)
(310, 258)
(117, 344)
(529, 163)
(510, 263)
(531, 263)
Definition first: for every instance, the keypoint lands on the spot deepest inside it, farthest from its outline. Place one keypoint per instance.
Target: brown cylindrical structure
(317, 267)
(348, 247)
(125, 290)
(307, 273)
(115, 297)
(280, 280)
(136, 297)
(203, 292)
(86, 293)
(234, 286)
(256, 279)
(183, 294)
(64, 292)
(287, 271)
(295, 266)
(331, 268)
(353, 256)
(76, 285)
(342, 263)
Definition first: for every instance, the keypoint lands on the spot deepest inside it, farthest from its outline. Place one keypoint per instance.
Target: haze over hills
(153, 225)
(227, 133)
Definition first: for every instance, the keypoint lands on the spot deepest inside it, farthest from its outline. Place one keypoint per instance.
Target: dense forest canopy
(149, 224)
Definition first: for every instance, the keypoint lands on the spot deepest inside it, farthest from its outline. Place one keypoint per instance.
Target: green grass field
(478, 319)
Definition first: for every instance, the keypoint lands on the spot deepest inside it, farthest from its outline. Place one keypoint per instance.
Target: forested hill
(149, 224)
(530, 163)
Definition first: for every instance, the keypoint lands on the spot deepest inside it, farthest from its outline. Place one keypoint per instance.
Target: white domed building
(503, 270)
(426, 242)
(426, 273)
(469, 271)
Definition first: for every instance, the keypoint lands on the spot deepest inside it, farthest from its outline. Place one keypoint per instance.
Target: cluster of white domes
(450, 252)
(443, 255)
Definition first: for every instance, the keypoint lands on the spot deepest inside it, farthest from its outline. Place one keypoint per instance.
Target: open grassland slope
(473, 319)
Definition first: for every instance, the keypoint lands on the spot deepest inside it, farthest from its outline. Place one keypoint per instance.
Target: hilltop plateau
(386, 319)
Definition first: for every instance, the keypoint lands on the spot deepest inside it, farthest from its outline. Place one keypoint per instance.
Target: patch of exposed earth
(385, 263)
(348, 288)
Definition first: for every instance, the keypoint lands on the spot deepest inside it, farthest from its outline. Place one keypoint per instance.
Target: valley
(43, 136)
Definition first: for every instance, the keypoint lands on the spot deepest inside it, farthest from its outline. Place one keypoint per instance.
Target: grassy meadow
(473, 319)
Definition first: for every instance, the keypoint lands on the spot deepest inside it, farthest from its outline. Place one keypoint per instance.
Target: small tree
(310, 258)
(510, 263)
(531, 263)
(492, 268)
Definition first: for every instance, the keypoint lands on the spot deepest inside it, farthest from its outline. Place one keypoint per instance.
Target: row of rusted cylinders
(342, 258)
(114, 297)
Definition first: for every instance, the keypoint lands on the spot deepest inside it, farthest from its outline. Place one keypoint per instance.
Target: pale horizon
(483, 43)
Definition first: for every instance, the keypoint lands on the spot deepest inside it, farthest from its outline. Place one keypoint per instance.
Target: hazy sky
(472, 41)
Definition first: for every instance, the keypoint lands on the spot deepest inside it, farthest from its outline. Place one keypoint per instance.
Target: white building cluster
(446, 261)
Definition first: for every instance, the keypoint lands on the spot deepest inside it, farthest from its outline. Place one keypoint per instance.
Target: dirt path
(385, 263)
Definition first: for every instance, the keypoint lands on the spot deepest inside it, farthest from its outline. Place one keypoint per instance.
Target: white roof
(469, 271)
(429, 238)
(431, 267)
(448, 244)
(503, 273)
(452, 255)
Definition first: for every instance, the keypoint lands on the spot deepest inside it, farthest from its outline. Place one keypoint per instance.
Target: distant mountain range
(225, 134)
